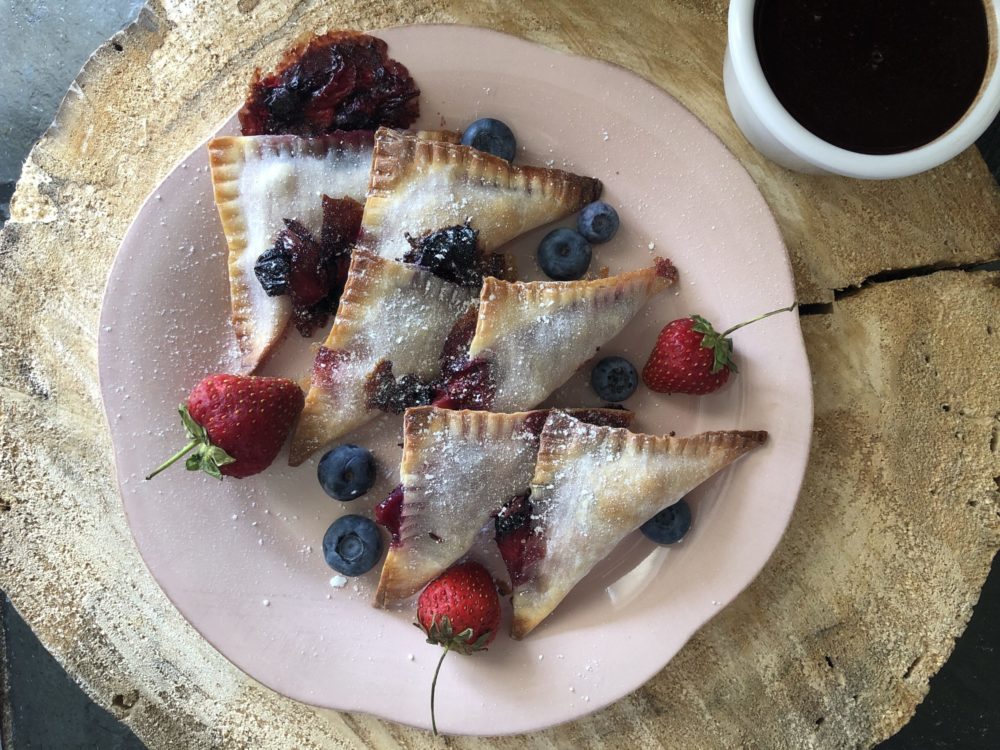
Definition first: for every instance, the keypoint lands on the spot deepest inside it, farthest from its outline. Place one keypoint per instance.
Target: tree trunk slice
(834, 643)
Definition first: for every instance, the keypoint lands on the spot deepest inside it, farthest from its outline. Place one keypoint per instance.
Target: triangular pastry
(421, 186)
(531, 337)
(594, 485)
(259, 181)
(392, 322)
(457, 471)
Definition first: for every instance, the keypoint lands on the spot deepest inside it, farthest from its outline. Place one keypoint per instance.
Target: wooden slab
(834, 643)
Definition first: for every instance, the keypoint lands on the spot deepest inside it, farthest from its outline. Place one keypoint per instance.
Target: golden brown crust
(371, 281)
(566, 438)
(400, 159)
(365, 273)
(407, 569)
(444, 136)
(397, 153)
(394, 583)
(227, 155)
(627, 477)
(421, 423)
(496, 296)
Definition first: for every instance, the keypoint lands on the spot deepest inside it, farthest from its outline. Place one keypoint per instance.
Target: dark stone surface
(989, 147)
(47, 711)
(961, 710)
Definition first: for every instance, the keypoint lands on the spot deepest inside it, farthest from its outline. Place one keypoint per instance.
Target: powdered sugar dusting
(443, 511)
(542, 333)
(596, 486)
(284, 177)
(404, 318)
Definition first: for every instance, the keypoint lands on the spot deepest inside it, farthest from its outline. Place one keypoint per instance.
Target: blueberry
(450, 254)
(614, 379)
(284, 103)
(491, 136)
(273, 269)
(346, 472)
(670, 524)
(598, 222)
(352, 545)
(564, 255)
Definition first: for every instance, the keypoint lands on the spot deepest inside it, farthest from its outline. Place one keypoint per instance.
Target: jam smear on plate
(341, 80)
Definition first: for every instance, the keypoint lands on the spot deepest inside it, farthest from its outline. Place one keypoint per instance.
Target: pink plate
(242, 560)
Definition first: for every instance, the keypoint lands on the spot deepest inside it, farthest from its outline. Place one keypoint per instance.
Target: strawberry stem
(174, 458)
(759, 317)
(434, 682)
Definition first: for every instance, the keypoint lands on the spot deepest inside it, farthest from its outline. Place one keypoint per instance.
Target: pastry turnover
(259, 181)
(594, 485)
(420, 186)
(391, 314)
(535, 335)
(457, 471)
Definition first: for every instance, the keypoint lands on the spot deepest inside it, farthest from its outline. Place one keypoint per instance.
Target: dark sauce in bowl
(874, 76)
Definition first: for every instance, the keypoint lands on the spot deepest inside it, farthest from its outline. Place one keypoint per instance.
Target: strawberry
(459, 610)
(691, 357)
(236, 424)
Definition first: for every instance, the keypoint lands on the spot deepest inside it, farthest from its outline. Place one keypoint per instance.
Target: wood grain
(834, 643)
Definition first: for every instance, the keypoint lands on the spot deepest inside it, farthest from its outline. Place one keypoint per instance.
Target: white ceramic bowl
(777, 135)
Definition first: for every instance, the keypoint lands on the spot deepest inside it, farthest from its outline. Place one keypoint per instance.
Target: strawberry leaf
(209, 467)
(194, 430)
(721, 346)
(206, 457)
(442, 633)
(218, 456)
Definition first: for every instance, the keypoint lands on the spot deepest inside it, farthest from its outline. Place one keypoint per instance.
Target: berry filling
(451, 254)
(339, 81)
(389, 514)
(471, 386)
(610, 416)
(453, 352)
(386, 393)
(464, 383)
(326, 363)
(312, 273)
(519, 546)
(665, 269)
(308, 279)
(341, 227)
